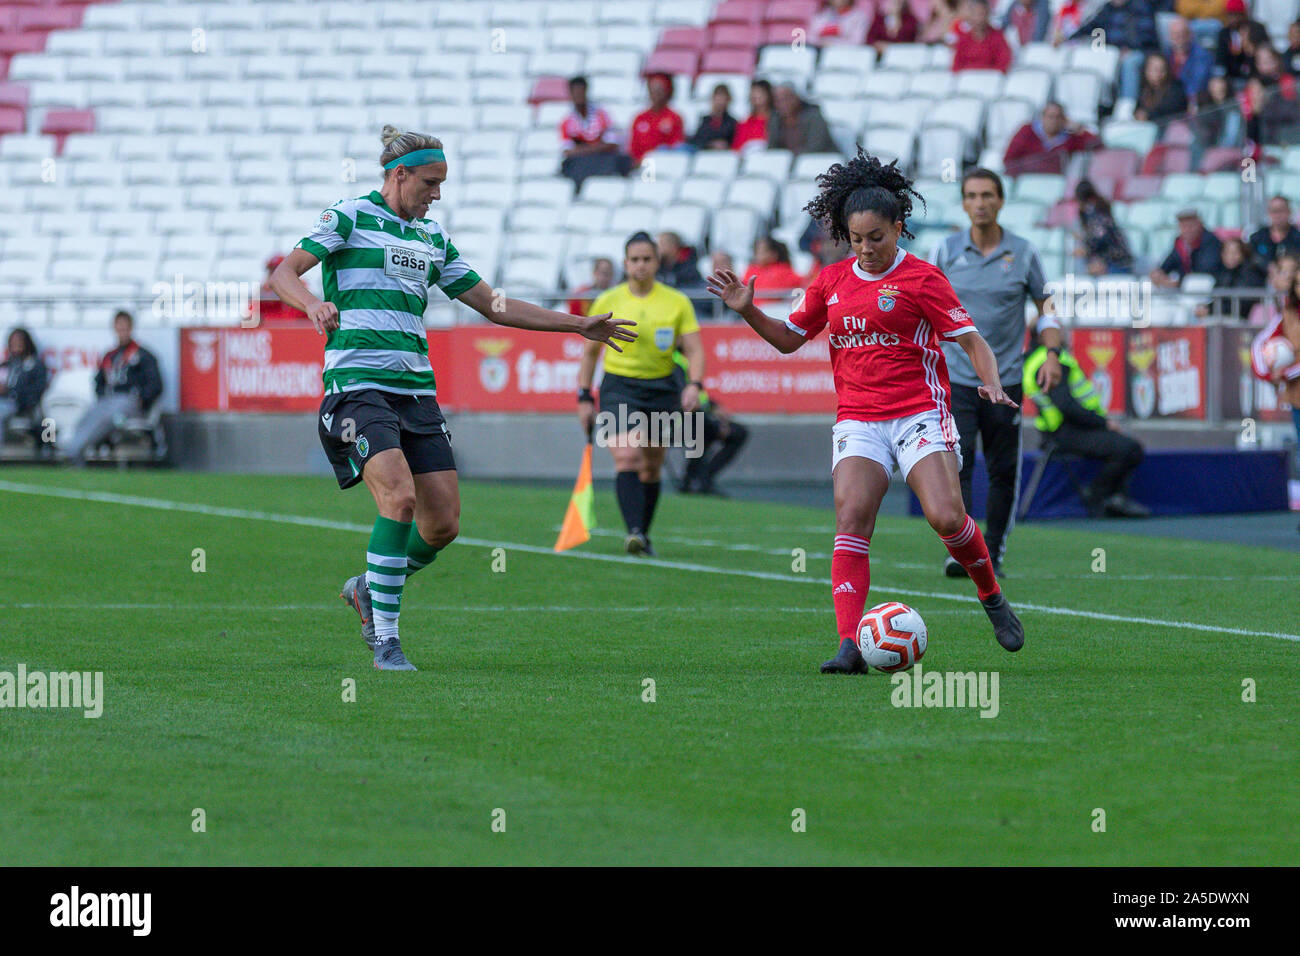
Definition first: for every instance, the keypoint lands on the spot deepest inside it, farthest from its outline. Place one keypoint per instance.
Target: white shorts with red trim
(897, 442)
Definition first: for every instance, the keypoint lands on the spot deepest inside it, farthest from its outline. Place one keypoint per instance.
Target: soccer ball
(1278, 353)
(891, 637)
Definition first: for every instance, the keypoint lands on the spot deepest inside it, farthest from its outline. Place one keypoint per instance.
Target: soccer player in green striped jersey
(379, 421)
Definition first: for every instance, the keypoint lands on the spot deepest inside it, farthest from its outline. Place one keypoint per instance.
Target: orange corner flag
(581, 514)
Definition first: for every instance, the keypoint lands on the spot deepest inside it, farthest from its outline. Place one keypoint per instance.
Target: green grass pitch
(224, 691)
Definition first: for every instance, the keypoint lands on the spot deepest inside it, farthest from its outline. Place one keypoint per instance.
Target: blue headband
(420, 157)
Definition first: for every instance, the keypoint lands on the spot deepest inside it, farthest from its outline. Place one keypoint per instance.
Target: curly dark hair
(862, 184)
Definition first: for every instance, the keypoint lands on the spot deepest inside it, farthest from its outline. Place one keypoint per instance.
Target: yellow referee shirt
(661, 317)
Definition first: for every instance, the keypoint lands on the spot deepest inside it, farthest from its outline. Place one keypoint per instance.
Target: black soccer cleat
(847, 661)
(953, 569)
(1006, 626)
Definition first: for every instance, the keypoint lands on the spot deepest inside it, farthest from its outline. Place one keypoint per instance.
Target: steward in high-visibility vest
(1072, 414)
(1052, 414)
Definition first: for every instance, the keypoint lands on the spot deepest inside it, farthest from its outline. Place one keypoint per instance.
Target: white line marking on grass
(163, 504)
(441, 608)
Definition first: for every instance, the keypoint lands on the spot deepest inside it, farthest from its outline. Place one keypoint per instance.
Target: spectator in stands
(1237, 41)
(720, 260)
(1129, 25)
(23, 380)
(1071, 419)
(660, 126)
(1291, 56)
(602, 278)
(1190, 63)
(1046, 144)
(1161, 97)
(1103, 246)
(772, 271)
(893, 23)
(717, 129)
(127, 383)
(941, 26)
(754, 129)
(590, 141)
(1280, 236)
(978, 46)
(1271, 111)
(1268, 67)
(1195, 250)
(1205, 19)
(797, 125)
(1027, 21)
(839, 21)
(679, 267)
(1216, 119)
(1236, 271)
(1066, 23)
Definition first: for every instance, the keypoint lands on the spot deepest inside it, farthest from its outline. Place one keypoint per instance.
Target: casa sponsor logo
(103, 910)
(48, 690)
(639, 429)
(190, 300)
(401, 262)
(921, 688)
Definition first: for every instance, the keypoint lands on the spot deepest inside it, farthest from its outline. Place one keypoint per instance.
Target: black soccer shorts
(356, 426)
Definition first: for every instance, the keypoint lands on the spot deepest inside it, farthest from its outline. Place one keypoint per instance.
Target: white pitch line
(163, 504)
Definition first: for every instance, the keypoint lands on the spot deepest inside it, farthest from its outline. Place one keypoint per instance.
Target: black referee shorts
(640, 394)
(356, 426)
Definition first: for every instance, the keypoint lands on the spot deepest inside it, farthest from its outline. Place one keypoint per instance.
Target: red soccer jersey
(884, 336)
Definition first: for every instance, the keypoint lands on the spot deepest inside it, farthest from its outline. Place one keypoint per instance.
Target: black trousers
(1120, 454)
(701, 471)
(998, 429)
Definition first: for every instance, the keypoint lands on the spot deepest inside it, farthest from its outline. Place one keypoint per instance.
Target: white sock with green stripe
(386, 573)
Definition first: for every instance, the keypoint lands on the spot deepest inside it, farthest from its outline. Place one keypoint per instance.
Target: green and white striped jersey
(377, 268)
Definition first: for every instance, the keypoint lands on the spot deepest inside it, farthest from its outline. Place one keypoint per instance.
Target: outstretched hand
(735, 294)
(605, 328)
(996, 395)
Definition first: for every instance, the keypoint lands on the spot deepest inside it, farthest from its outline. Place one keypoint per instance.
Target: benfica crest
(886, 300)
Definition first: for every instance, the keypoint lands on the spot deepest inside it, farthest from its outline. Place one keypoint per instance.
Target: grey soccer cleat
(389, 657)
(1006, 626)
(356, 595)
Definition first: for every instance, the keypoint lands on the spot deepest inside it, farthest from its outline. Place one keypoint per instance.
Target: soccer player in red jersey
(885, 311)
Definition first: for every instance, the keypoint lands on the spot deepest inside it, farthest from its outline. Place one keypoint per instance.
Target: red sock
(850, 581)
(968, 548)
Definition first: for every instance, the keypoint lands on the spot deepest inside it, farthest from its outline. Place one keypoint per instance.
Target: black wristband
(1055, 350)
(584, 395)
(699, 385)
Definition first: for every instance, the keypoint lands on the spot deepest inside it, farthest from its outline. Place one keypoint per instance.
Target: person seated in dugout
(1071, 419)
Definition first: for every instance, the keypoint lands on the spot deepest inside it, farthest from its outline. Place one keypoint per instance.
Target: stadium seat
(1004, 119)
(688, 221)
(1115, 165)
(889, 144)
(1045, 188)
(787, 63)
(847, 59)
(1102, 61)
(965, 113)
(1218, 158)
(1164, 159)
(1030, 84)
(941, 151)
(1182, 187)
(1043, 55)
(1129, 134)
(934, 84)
(985, 84)
(906, 57)
(773, 164)
(715, 164)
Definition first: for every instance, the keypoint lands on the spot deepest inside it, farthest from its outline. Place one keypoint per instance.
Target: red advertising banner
(1167, 373)
(1100, 354)
(264, 369)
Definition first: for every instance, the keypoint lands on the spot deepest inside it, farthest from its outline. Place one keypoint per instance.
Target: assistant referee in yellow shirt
(641, 379)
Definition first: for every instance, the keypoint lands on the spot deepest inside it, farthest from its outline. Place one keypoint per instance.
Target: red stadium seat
(62, 123)
(8, 16)
(728, 61)
(1113, 164)
(1138, 188)
(14, 94)
(1064, 213)
(1178, 133)
(672, 62)
(13, 119)
(31, 42)
(1106, 185)
(1164, 158)
(695, 39)
(740, 11)
(48, 18)
(780, 34)
(800, 11)
(1218, 158)
(549, 89)
(734, 36)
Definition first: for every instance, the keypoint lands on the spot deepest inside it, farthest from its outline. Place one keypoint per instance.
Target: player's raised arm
(518, 314)
(739, 297)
